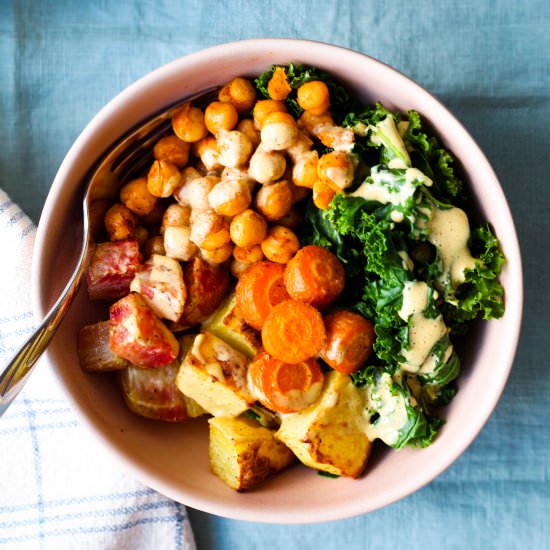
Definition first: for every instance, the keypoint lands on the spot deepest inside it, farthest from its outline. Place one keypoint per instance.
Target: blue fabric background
(61, 61)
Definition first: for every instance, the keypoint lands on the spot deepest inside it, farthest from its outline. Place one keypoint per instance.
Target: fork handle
(16, 373)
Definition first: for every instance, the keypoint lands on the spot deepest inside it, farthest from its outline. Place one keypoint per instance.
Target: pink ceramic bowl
(174, 458)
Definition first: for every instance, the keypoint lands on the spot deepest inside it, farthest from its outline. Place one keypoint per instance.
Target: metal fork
(127, 157)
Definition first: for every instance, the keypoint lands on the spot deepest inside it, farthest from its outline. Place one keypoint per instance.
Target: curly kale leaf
(481, 294)
(432, 159)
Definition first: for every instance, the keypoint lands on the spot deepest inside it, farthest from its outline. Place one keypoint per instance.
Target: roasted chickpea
(322, 195)
(314, 97)
(234, 148)
(154, 245)
(249, 254)
(220, 116)
(178, 244)
(280, 244)
(278, 87)
(336, 137)
(266, 166)
(188, 174)
(209, 230)
(175, 216)
(279, 131)
(240, 93)
(313, 124)
(207, 150)
(172, 149)
(120, 222)
(230, 197)
(264, 107)
(248, 228)
(198, 190)
(136, 197)
(336, 170)
(274, 201)
(304, 171)
(188, 123)
(217, 256)
(246, 126)
(163, 178)
(302, 144)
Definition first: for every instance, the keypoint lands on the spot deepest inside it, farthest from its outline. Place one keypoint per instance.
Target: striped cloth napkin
(56, 489)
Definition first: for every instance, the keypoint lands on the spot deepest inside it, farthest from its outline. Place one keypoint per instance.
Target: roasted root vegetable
(293, 332)
(285, 387)
(153, 393)
(330, 434)
(228, 324)
(206, 286)
(138, 335)
(260, 288)
(160, 283)
(350, 338)
(214, 375)
(94, 350)
(243, 454)
(112, 269)
(314, 275)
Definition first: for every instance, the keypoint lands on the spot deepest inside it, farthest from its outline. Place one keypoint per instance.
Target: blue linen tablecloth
(61, 61)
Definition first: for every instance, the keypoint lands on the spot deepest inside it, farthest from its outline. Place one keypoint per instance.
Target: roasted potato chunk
(329, 435)
(243, 454)
(153, 393)
(228, 324)
(214, 375)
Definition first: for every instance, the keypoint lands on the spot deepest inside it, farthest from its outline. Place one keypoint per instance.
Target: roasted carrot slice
(314, 275)
(293, 332)
(260, 288)
(350, 338)
(285, 387)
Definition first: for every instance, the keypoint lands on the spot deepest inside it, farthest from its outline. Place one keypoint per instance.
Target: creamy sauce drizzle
(385, 132)
(424, 333)
(390, 407)
(449, 232)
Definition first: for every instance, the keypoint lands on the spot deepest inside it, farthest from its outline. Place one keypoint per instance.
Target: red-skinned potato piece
(94, 349)
(153, 393)
(207, 286)
(161, 284)
(112, 269)
(138, 335)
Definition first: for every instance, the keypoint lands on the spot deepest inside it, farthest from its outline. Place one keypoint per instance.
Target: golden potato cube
(330, 435)
(243, 454)
(226, 323)
(214, 375)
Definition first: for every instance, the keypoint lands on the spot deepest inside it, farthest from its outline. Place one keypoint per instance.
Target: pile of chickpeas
(224, 186)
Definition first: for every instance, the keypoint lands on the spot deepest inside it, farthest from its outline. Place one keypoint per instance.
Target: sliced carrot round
(293, 331)
(285, 387)
(260, 288)
(350, 338)
(314, 275)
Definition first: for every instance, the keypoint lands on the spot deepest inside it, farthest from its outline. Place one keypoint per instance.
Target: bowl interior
(174, 458)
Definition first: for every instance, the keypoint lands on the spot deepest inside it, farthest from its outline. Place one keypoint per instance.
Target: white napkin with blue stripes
(57, 490)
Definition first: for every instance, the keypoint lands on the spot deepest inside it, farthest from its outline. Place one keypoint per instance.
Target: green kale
(341, 100)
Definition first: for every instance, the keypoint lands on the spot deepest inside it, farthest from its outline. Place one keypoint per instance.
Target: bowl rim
(354, 508)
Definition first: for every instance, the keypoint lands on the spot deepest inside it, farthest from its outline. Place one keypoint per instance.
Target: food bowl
(174, 458)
